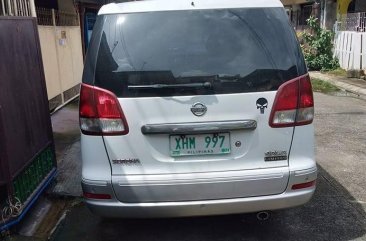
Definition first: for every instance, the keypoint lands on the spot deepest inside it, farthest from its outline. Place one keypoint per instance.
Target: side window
(91, 56)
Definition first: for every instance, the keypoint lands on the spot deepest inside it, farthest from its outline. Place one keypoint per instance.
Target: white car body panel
(95, 161)
(302, 156)
(154, 156)
(180, 5)
(153, 150)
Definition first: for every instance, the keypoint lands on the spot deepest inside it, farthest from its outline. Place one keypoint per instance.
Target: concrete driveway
(337, 211)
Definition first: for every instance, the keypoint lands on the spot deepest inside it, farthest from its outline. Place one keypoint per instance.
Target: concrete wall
(62, 58)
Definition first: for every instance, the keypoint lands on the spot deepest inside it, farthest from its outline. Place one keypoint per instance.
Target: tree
(318, 47)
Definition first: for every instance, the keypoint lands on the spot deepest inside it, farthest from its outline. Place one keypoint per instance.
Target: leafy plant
(323, 86)
(318, 46)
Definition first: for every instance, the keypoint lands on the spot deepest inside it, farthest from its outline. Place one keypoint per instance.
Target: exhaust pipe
(263, 216)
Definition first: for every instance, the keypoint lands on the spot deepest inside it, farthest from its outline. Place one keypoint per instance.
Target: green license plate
(201, 144)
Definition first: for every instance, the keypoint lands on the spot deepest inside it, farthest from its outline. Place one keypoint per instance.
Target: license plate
(202, 144)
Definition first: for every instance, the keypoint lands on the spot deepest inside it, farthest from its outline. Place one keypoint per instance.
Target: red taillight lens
(287, 96)
(87, 108)
(306, 93)
(100, 112)
(96, 196)
(303, 185)
(107, 105)
(294, 104)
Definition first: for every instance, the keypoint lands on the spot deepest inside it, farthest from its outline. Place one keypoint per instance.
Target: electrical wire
(12, 209)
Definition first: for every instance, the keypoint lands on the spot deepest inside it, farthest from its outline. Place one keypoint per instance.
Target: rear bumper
(113, 208)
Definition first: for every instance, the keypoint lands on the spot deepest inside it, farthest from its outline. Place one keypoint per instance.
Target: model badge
(127, 162)
(198, 109)
(271, 156)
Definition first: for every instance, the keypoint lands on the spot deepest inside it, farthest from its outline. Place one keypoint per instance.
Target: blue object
(89, 22)
(8, 225)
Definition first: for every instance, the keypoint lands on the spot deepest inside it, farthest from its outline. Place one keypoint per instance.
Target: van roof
(169, 5)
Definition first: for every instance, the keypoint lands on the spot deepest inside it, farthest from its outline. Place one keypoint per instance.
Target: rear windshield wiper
(171, 86)
(226, 77)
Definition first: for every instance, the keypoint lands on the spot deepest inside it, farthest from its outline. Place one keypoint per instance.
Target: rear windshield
(198, 52)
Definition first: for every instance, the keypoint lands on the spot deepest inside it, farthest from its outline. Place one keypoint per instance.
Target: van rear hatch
(196, 89)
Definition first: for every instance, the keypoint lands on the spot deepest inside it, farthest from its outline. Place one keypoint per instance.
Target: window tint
(198, 52)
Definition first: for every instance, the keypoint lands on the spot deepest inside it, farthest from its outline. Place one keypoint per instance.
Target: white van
(199, 107)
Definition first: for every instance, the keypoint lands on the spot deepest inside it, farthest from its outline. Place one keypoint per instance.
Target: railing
(16, 7)
(51, 17)
(355, 22)
(349, 49)
(66, 18)
(44, 16)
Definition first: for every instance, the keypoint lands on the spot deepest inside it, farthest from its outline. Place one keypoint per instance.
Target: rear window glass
(199, 52)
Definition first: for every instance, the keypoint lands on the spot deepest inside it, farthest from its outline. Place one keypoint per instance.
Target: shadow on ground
(66, 133)
(65, 125)
(329, 216)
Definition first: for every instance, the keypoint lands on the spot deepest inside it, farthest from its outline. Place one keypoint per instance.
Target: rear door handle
(198, 127)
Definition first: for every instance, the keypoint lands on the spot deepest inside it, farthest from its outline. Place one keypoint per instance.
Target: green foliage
(338, 72)
(323, 86)
(318, 46)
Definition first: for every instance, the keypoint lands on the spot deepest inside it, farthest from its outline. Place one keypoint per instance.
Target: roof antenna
(192, 4)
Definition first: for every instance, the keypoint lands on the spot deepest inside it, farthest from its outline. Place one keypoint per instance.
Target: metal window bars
(52, 17)
(44, 16)
(66, 18)
(355, 22)
(15, 8)
(298, 19)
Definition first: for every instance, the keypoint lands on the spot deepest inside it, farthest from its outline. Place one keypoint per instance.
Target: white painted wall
(350, 49)
(62, 57)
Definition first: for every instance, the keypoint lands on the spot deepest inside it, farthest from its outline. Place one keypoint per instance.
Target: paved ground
(37, 225)
(65, 124)
(66, 132)
(355, 86)
(337, 211)
(328, 217)
(341, 142)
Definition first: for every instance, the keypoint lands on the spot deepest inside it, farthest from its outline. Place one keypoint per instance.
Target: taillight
(303, 185)
(96, 196)
(100, 112)
(294, 104)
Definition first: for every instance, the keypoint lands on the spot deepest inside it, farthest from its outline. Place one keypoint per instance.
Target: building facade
(329, 12)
